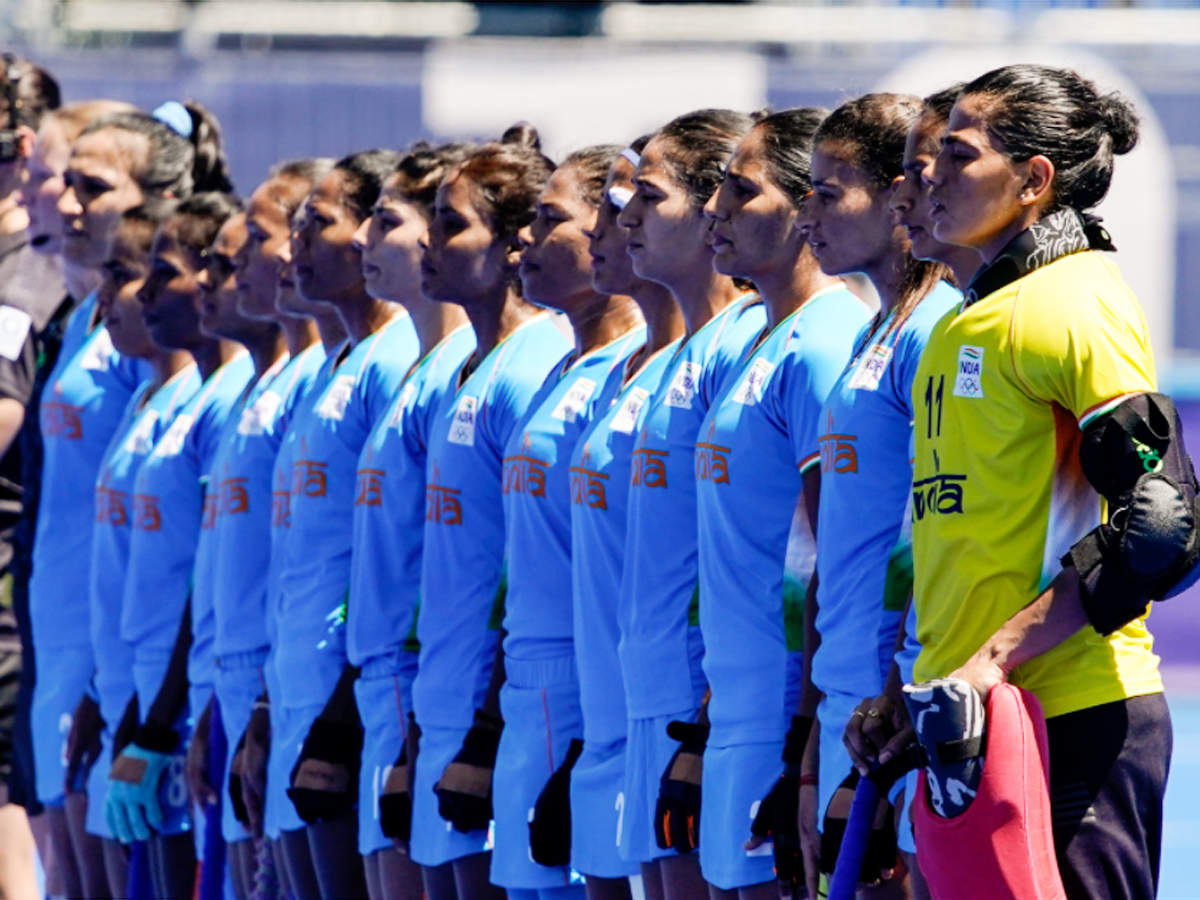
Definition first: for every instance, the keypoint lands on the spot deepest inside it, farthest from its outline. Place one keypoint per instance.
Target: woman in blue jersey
(45, 171)
(99, 397)
(756, 489)
(267, 267)
(540, 697)
(660, 645)
(116, 180)
(910, 203)
(470, 259)
(389, 512)
(863, 573)
(166, 519)
(241, 479)
(148, 412)
(321, 449)
(236, 510)
(599, 492)
(125, 158)
(267, 761)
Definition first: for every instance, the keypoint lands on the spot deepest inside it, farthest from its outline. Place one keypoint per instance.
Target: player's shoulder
(1075, 294)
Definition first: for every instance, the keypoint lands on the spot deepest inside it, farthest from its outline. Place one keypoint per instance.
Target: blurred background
(299, 77)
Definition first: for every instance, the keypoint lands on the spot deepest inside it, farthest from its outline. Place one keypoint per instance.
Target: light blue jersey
(750, 455)
(240, 482)
(143, 423)
(462, 572)
(323, 444)
(659, 582)
(599, 499)
(389, 506)
(307, 390)
(168, 503)
(82, 406)
(252, 412)
(864, 444)
(537, 498)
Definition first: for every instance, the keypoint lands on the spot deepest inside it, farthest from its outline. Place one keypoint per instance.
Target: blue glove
(132, 808)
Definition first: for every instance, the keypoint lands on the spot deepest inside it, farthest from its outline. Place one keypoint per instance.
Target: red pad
(1002, 847)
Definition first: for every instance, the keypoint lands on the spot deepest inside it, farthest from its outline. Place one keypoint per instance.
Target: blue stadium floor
(1181, 839)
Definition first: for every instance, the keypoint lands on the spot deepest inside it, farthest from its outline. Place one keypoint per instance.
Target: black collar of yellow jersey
(1051, 237)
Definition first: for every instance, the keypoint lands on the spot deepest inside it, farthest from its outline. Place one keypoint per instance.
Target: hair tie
(175, 116)
(632, 155)
(619, 196)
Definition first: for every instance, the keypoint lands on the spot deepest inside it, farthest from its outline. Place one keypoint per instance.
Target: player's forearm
(491, 700)
(12, 415)
(809, 695)
(1054, 616)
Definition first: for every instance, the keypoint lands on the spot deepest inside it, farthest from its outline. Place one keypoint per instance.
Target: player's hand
(810, 837)
(395, 801)
(253, 767)
(550, 827)
(464, 791)
(878, 729)
(196, 765)
(778, 813)
(83, 744)
(982, 673)
(324, 781)
(677, 812)
(132, 808)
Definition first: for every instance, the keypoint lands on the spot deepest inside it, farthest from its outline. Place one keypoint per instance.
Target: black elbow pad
(1135, 457)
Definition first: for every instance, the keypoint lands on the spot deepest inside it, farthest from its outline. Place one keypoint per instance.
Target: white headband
(632, 155)
(620, 196)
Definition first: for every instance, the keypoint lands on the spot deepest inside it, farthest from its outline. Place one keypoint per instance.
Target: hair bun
(523, 135)
(1120, 121)
(210, 169)
(759, 114)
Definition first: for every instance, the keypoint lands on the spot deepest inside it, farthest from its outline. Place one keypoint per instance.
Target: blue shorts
(540, 705)
(570, 892)
(62, 680)
(434, 840)
(833, 713)
(597, 807)
(289, 728)
(384, 695)
(239, 682)
(648, 750)
(97, 788)
(309, 676)
(734, 782)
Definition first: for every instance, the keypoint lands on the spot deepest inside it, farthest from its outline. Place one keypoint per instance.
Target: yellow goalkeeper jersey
(1002, 392)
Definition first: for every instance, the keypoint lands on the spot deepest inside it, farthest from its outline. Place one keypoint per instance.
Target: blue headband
(175, 116)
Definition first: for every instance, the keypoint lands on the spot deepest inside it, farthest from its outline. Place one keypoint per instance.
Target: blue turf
(1181, 839)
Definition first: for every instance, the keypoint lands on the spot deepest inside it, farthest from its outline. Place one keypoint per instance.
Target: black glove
(677, 813)
(777, 814)
(395, 801)
(550, 827)
(324, 781)
(235, 785)
(465, 789)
